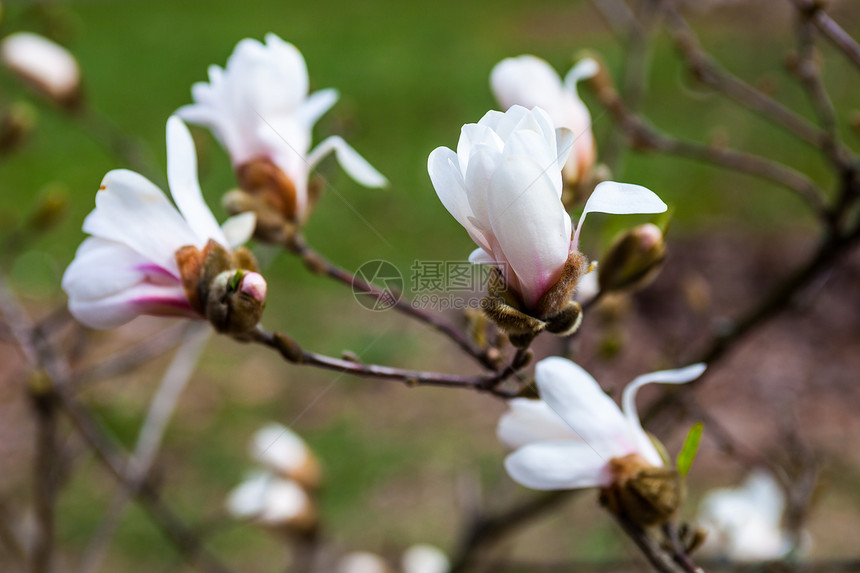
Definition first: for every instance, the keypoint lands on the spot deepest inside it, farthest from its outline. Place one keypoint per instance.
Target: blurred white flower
(281, 450)
(259, 108)
(362, 562)
(744, 523)
(272, 501)
(46, 65)
(569, 438)
(423, 558)
(504, 186)
(531, 82)
(128, 266)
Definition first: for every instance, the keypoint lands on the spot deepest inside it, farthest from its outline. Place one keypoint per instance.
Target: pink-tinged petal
(102, 268)
(133, 211)
(354, 164)
(620, 199)
(577, 398)
(531, 144)
(115, 310)
(315, 106)
(481, 257)
(254, 285)
(530, 224)
(184, 185)
(239, 228)
(528, 421)
(628, 402)
(556, 465)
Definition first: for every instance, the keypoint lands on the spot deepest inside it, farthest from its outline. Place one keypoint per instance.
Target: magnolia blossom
(568, 438)
(43, 63)
(503, 184)
(744, 523)
(283, 451)
(259, 108)
(362, 562)
(531, 82)
(424, 558)
(272, 501)
(128, 266)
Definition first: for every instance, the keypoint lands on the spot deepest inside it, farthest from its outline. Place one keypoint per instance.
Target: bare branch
(831, 30)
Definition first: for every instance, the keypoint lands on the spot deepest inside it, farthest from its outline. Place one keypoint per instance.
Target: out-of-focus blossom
(503, 184)
(423, 558)
(130, 266)
(576, 436)
(362, 562)
(283, 451)
(272, 501)
(744, 524)
(531, 82)
(259, 108)
(45, 65)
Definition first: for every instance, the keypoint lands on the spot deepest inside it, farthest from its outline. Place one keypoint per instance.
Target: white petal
(481, 257)
(628, 402)
(525, 80)
(43, 62)
(504, 123)
(764, 493)
(576, 397)
(117, 309)
(620, 199)
(584, 69)
(315, 106)
(556, 465)
(564, 145)
(423, 558)
(284, 501)
(184, 185)
(279, 448)
(133, 211)
(362, 562)
(354, 164)
(530, 223)
(444, 170)
(247, 500)
(528, 421)
(239, 229)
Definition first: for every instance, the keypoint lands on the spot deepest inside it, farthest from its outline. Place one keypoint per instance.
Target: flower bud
(633, 260)
(645, 494)
(283, 451)
(15, 125)
(275, 503)
(236, 301)
(423, 558)
(43, 64)
(271, 226)
(363, 562)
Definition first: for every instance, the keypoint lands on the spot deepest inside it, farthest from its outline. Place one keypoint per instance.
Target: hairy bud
(645, 494)
(633, 260)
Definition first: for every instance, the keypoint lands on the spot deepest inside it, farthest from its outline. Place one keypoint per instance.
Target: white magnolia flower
(128, 266)
(259, 108)
(531, 82)
(283, 451)
(362, 562)
(744, 523)
(46, 65)
(503, 184)
(272, 501)
(567, 439)
(423, 558)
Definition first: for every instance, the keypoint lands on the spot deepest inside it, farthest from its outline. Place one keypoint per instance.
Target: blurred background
(397, 460)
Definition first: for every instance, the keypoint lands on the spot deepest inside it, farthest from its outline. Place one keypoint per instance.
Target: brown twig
(647, 138)
(293, 353)
(831, 30)
(318, 264)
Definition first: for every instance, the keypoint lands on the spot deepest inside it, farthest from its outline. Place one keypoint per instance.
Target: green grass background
(409, 75)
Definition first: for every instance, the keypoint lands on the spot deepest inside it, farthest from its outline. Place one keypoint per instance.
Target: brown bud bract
(633, 260)
(644, 494)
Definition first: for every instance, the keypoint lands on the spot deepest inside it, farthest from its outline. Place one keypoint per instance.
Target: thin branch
(44, 478)
(646, 138)
(708, 71)
(652, 551)
(831, 30)
(318, 264)
(149, 440)
(293, 353)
